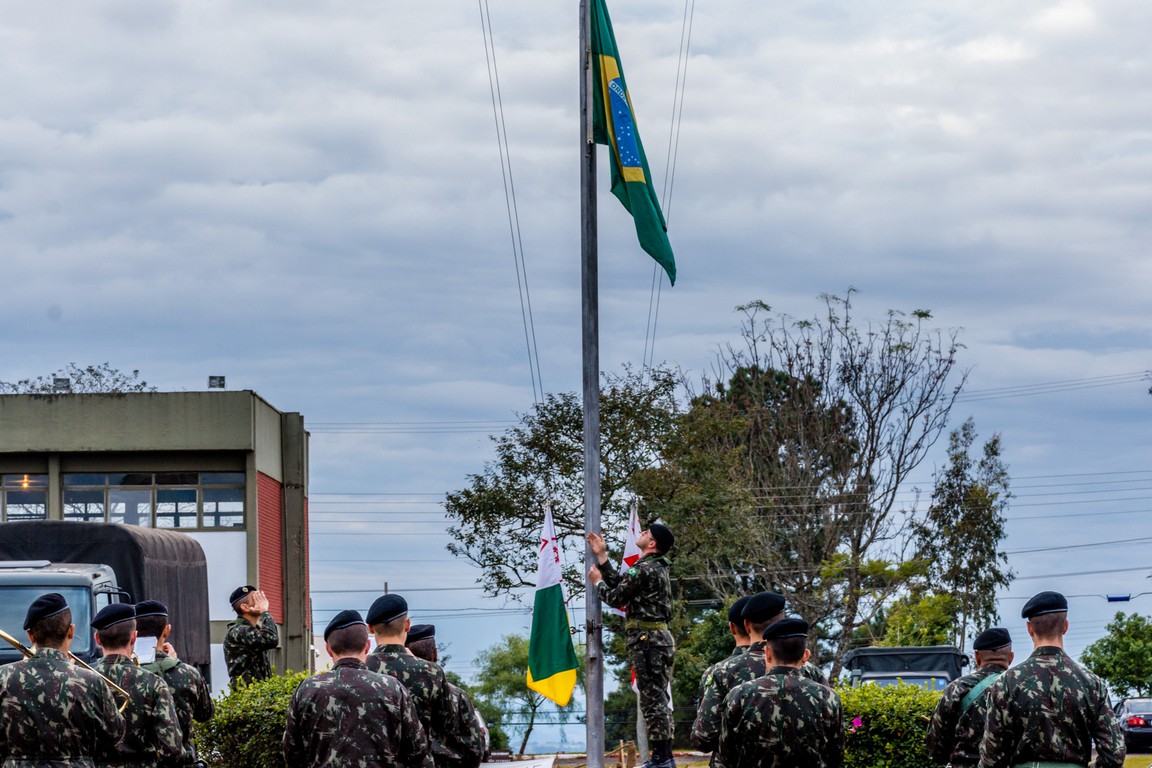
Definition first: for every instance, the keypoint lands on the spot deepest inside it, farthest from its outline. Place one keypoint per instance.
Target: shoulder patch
(633, 571)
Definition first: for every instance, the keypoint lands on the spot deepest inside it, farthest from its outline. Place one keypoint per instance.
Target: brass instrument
(29, 653)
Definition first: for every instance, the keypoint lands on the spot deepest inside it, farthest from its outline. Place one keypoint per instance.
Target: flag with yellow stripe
(614, 124)
(552, 660)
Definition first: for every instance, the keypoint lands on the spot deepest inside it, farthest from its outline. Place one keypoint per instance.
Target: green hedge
(247, 730)
(886, 725)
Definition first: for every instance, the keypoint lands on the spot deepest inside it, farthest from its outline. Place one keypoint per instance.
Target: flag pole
(590, 342)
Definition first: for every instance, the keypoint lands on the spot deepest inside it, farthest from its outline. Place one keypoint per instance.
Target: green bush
(247, 730)
(885, 725)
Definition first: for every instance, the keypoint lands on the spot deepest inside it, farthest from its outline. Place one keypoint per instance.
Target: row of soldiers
(767, 706)
(54, 713)
(388, 706)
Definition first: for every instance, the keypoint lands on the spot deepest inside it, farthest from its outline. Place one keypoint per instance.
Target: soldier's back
(1049, 708)
(53, 712)
(782, 720)
(350, 716)
(152, 729)
(719, 681)
(424, 680)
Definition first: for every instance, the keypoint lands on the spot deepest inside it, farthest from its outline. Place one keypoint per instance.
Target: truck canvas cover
(149, 564)
(925, 658)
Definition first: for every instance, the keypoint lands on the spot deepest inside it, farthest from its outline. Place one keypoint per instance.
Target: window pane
(84, 505)
(223, 507)
(177, 478)
(77, 478)
(25, 481)
(222, 478)
(176, 508)
(25, 505)
(131, 478)
(130, 507)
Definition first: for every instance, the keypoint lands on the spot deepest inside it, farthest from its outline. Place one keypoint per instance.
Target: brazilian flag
(614, 124)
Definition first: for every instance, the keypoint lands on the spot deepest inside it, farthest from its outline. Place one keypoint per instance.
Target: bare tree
(76, 380)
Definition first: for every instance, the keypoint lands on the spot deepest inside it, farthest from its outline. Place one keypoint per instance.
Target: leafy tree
(1123, 657)
(959, 538)
(497, 518)
(501, 682)
(493, 716)
(89, 379)
(785, 472)
(926, 620)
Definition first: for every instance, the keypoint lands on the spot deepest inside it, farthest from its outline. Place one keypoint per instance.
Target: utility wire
(669, 175)
(510, 202)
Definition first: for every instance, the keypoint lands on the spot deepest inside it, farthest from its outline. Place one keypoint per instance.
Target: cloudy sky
(308, 199)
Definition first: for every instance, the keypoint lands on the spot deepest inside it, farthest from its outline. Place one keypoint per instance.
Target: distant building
(224, 467)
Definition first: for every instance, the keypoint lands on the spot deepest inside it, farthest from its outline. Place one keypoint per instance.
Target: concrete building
(224, 467)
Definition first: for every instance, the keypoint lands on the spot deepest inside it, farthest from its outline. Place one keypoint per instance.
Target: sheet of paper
(145, 650)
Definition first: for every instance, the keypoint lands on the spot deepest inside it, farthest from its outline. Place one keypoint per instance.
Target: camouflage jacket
(721, 679)
(152, 731)
(189, 693)
(54, 714)
(351, 717)
(246, 648)
(1049, 708)
(954, 734)
(424, 680)
(782, 720)
(461, 745)
(645, 588)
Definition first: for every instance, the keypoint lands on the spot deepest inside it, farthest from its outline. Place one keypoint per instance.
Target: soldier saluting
(646, 590)
(957, 724)
(1048, 710)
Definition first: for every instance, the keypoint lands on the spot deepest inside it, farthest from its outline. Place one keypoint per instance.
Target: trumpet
(29, 653)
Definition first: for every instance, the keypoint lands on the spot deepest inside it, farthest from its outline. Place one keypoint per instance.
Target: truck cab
(87, 587)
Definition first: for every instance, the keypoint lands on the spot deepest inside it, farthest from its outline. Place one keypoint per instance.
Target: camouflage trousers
(653, 665)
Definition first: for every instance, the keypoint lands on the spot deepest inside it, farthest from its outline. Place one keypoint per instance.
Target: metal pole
(590, 337)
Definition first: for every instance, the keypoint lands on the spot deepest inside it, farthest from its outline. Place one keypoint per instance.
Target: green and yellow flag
(614, 124)
(552, 661)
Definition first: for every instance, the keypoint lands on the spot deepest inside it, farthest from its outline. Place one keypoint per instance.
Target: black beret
(342, 620)
(663, 537)
(240, 593)
(736, 612)
(420, 632)
(992, 639)
(387, 608)
(763, 606)
(111, 615)
(790, 627)
(1045, 602)
(151, 608)
(43, 607)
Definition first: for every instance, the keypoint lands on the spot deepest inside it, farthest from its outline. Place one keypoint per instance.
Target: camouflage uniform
(189, 693)
(954, 733)
(462, 744)
(782, 720)
(724, 677)
(152, 731)
(646, 590)
(354, 718)
(424, 681)
(1049, 708)
(53, 714)
(246, 648)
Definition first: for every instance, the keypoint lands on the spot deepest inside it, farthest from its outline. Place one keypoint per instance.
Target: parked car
(1135, 716)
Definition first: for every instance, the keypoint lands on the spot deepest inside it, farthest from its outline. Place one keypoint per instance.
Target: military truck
(94, 564)
(929, 666)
